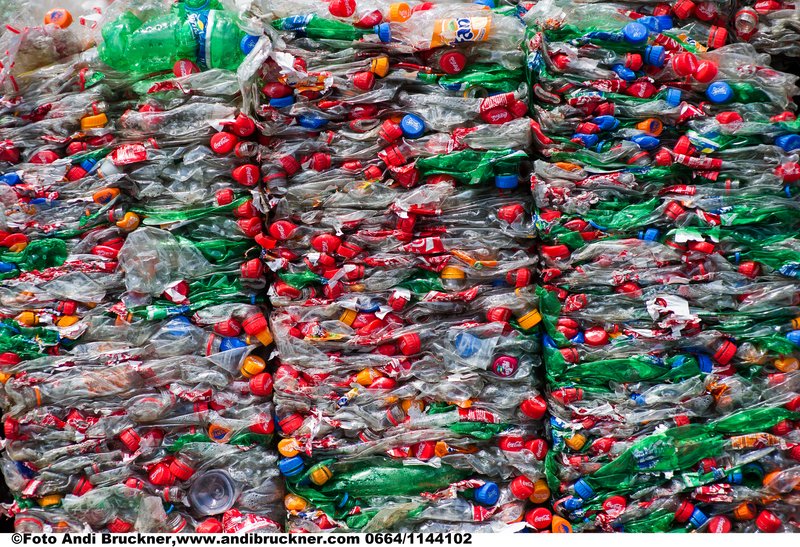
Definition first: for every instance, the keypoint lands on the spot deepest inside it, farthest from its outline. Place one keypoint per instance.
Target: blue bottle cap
(651, 234)
(735, 476)
(88, 164)
(606, 123)
(12, 179)
(506, 182)
(794, 337)
(6, 267)
(664, 22)
(788, 142)
(547, 341)
(635, 33)
(413, 126)
(645, 141)
(466, 344)
(625, 73)
(384, 32)
(488, 3)
(372, 307)
(586, 139)
(572, 503)
(650, 22)
(290, 467)
(719, 92)
(231, 343)
(578, 338)
(679, 361)
(654, 55)
(282, 102)
(705, 363)
(673, 96)
(343, 500)
(638, 399)
(311, 122)
(488, 494)
(583, 489)
(248, 43)
(698, 518)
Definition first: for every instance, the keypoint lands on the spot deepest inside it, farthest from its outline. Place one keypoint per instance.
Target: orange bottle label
(449, 32)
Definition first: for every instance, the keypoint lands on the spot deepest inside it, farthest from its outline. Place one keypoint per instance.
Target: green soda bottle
(317, 27)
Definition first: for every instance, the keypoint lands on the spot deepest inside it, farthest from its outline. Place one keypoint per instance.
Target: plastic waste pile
(135, 395)
(666, 203)
(405, 315)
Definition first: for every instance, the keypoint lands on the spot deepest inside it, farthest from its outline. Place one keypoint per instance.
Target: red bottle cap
(261, 384)
(717, 37)
(276, 90)
(342, 8)
(452, 62)
(184, 67)
(44, 157)
(534, 407)
(326, 243)
(130, 439)
(539, 518)
(282, 229)
(705, 72)
(767, 522)
(521, 487)
(364, 81)
(750, 269)
(555, 252)
(252, 269)
(633, 61)
(684, 512)
(75, 147)
(497, 115)
(538, 447)
(718, 525)
(75, 173)
(349, 250)
(684, 64)
(160, 475)
(684, 146)
(231, 327)
(642, 89)
(616, 504)
(409, 343)
(246, 175)
(290, 423)
(243, 126)
(729, 117)
(181, 469)
(224, 196)
(725, 352)
(119, 526)
(596, 336)
(251, 227)
(683, 9)
(223, 143)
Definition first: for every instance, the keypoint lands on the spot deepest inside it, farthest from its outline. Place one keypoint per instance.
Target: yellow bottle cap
(560, 525)
(651, 126)
(18, 247)
(27, 318)
(541, 492)
(452, 272)
(105, 195)
(796, 323)
(348, 316)
(4, 376)
(129, 222)
(367, 376)
(67, 320)
(265, 337)
(320, 474)
(441, 449)
(49, 501)
(380, 66)
(293, 502)
(530, 319)
(399, 12)
(288, 448)
(252, 365)
(94, 122)
(407, 404)
(576, 442)
(787, 364)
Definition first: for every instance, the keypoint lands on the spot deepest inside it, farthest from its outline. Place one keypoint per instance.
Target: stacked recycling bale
(666, 200)
(405, 316)
(135, 392)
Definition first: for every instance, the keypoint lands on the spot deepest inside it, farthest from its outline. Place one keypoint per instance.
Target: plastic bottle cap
(646, 142)
(651, 234)
(705, 72)
(684, 64)
(530, 319)
(93, 122)
(223, 143)
(583, 489)
(534, 407)
(635, 33)
(521, 487)
(719, 525)
(767, 522)
(705, 363)
(488, 3)
(184, 67)
(247, 43)
(452, 272)
(487, 494)
(247, 175)
(409, 343)
(399, 12)
(606, 123)
(539, 518)
(384, 32)
(413, 126)
(320, 474)
(209, 526)
(311, 122)
(788, 143)
(654, 56)
(664, 22)
(281, 102)
(719, 93)
(650, 22)
(683, 9)
(452, 62)
(252, 365)
(59, 16)
(684, 512)
(506, 182)
(717, 37)
(673, 96)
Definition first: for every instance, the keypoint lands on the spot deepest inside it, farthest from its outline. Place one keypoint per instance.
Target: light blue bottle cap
(635, 33)
(413, 126)
(719, 92)
(673, 96)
